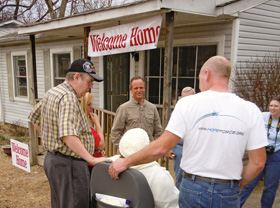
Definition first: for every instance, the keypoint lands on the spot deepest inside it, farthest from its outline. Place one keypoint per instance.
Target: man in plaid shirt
(67, 137)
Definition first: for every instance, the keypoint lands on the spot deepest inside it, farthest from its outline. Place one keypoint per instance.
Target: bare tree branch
(40, 10)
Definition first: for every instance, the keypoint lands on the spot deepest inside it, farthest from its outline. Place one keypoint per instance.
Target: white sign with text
(20, 155)
(137, 36)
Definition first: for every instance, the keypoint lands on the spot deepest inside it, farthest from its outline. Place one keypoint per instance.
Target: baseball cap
(84, 65)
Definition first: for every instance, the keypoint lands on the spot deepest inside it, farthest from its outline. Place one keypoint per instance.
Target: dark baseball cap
(84, 65)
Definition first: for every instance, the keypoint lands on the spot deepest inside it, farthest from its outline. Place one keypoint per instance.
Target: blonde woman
(86, 102)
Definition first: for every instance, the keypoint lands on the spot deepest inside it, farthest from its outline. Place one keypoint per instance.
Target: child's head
(132, 141)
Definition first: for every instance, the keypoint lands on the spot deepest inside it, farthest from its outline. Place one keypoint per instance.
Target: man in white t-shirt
(217, 127)
(178, 149)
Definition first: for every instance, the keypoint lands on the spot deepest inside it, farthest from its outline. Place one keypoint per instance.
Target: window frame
(55, 52)
(219, 41)
(16, 54)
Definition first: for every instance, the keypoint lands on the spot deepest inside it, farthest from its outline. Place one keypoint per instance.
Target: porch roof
(186, 13)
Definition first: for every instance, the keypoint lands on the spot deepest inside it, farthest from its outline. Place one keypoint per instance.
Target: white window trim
(59, 51)
(101, 85)
(20, 53)
(215, 40)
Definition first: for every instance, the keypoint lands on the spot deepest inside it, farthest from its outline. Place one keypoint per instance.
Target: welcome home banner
(137, 36)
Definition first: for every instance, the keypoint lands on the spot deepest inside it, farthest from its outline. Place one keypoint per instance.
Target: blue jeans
(176, 161)
(271, 175)
(211, 195)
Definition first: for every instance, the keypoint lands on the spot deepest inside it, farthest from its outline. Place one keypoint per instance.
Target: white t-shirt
(217, 128)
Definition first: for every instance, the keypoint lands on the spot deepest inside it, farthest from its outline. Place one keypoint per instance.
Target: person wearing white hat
(165, 193)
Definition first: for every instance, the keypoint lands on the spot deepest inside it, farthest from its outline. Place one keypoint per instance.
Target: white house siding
(203, 35)
(7, 31)
(1, 83)
(57, 46)
(40, 72)
(259, 33)
(16, 111)
(1, 114)
(186, 35)
(96, 89)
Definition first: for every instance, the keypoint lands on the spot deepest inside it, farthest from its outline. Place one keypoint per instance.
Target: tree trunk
(62, 8)
(16, 10)
(49, 4)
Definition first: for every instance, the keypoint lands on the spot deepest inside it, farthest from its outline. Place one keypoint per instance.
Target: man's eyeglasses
(90, 83)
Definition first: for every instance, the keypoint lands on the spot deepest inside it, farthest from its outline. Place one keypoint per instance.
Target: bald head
(219, 65)
(215, 74)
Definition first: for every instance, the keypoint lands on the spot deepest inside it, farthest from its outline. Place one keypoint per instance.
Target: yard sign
(20, 155)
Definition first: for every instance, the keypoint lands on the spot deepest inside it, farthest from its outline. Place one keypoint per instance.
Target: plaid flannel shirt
(60, 114)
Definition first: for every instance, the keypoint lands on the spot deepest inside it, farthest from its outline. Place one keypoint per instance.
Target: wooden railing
(106, 119)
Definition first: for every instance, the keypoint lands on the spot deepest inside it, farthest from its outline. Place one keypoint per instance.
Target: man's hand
(116, 167)
(100, 147)
(36, 127)
(170, 154)
(257, 159)
(96, 160)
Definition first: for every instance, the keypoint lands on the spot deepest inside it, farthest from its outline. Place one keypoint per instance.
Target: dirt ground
(20, 189)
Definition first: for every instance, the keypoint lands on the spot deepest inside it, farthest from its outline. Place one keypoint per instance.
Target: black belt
(209, 180)
(66, 156)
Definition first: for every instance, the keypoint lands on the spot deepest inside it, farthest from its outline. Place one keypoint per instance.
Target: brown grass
(14, 131)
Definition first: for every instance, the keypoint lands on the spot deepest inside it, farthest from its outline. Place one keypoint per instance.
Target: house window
(187, 62)
(20, 76)
(61, 64)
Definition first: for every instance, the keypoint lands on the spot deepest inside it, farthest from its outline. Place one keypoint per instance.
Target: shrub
(258, 80)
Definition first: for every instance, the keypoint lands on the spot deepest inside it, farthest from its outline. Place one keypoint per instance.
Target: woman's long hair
(85, 101)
